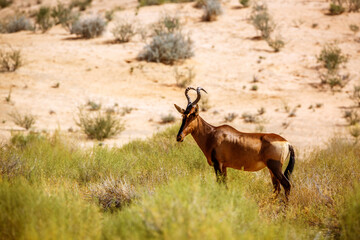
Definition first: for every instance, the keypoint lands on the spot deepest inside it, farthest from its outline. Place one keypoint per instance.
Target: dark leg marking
(220, 172)
(276, 183)
(276, 167)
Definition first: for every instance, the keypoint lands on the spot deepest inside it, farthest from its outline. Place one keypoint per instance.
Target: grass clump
(262, 20)
(5, 3)
(43, 18)
(168, 43)
(336, 9)
(354, 28)
(245, 3)
(350, 216)
(331, 57)
(184, 77)
(99, 125)
(169, 118)
(356, 94)
(81, 4)
(64, 15)
(276, 43)
(10, 60)
(143, 3)
(89, 27)
(123, 31)
(112, 193)
(212, 9)
(17, 23)
(26, 121)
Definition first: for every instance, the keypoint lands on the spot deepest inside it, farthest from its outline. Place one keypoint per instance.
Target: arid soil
(227, 59)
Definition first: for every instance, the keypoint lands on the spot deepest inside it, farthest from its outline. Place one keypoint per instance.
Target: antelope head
(189, 114)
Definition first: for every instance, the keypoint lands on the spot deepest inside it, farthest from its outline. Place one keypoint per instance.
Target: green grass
(46, 192)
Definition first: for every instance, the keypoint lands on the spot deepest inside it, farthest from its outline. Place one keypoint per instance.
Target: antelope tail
(291, 164)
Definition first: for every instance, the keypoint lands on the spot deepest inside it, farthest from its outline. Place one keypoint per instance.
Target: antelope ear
(180, 110)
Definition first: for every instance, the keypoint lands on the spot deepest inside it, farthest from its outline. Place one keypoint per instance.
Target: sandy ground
(226, 60)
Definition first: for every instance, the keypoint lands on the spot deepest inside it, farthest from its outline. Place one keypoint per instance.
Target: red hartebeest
(225, 147)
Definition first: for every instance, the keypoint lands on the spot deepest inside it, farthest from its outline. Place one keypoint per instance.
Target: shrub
(89, 27)
(81, 4)
(64, 16)
(43, 18)
(249, 118)
(10, 60)
(245, 3)
(159, 2)
(230, 117)
(356, 94)
(184, 77)
(167, 48)
(93, 106)
(262, 20)
(276, 43)
(167, 118)
(123, 31)
(352, 117)
(212, 9)
(331, 57)
(354, 28)
(99, 125)
(336, 9)
(166, 24)
(17, 23)
(25, 121)
(5, 3)
(112, 193)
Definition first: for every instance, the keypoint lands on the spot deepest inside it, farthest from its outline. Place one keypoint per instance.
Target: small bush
(352, 117)
(10, 60)
(167, 118)
(355, 131)
(89, 27)
(99, 126)
(249, 118)
(81, 4)
(167, 48)
(276, 43)
(123, 31)
(262, 20)
(212, 9)
(230, 117)
(143, 3)
(336, 9)
(112, 193)
(43, 18)
(5, 3)
(64, 16)
(25, 121)
(184, 77)
(93, 106)
(354, 28)
(17, 23)
(331, 57)
(167, 24)
(245, 3)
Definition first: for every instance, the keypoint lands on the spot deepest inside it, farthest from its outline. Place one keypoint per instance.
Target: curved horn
(198, 95)
(186, 94)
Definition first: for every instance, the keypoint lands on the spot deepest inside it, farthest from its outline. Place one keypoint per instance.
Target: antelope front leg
(220, 170)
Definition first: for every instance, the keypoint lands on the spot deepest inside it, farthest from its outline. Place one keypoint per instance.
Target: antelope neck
(201, 133)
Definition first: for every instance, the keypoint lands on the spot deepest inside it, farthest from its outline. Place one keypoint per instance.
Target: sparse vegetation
(245, 3)
(356, 94)
(336, 9)
(5, 3)
(64, 15)
(89, 27)
(261, 19)
(230, 117)
(98, 125)
(354, 5)
(143, 3)
(25, 121)
(354, 28)
(81, 4)
(184, 77)
(249, 118)
(169, 118)
(10, 59)
(93, 106)
(123, 31)
(352, 117)
(17, 23)
(276, 43)
(212, 9)
(43, 18)
(168, 44)
(331, 57)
